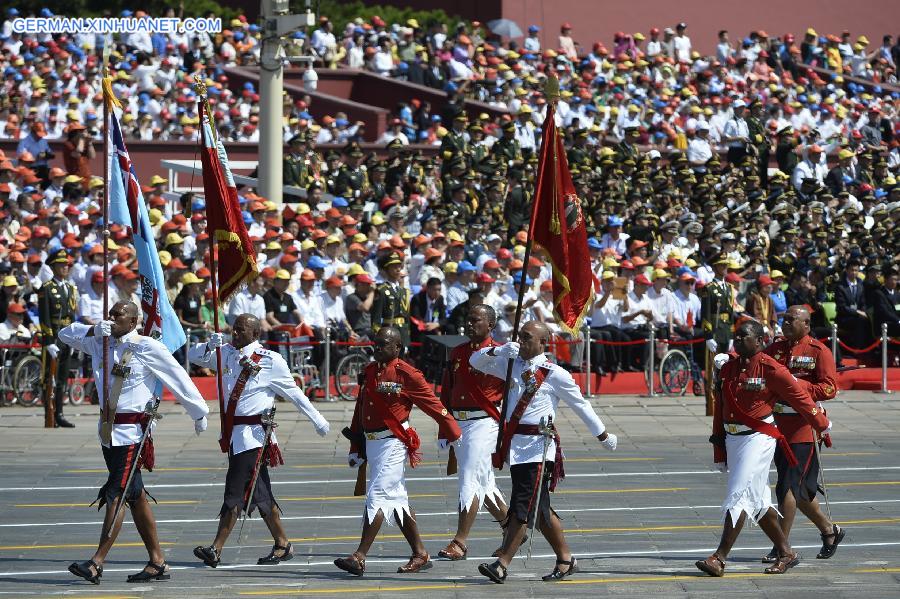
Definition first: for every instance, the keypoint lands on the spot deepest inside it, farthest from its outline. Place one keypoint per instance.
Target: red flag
(558, 226)
(235, 259)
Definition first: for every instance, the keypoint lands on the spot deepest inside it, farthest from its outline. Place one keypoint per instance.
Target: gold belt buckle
(371, 436)
(463, 415)
(778, 408)
(733, 429)
(724, 317)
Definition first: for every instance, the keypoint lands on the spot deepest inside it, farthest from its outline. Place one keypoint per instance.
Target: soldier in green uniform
(579, 154)
(297, 165)
(57, 307)
(717, 306)
(351, 178)
(516, 209)
(478, 149)
(507, 150)
(627, 148)
(759, 140)
(391, 304)
(785, 150)
(377, 187)
(454, 143)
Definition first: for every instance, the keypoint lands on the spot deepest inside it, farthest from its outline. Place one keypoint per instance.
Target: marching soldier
(473, 399)
(57, 308)
(812, 364)
(139, 365)
(536, 389)
(381, 435)
(252, 378)
(744, 438)
(391, 304)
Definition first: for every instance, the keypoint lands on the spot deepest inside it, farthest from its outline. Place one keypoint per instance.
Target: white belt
(781, 408)
(737, 429)
(470, 414)
(385, 434)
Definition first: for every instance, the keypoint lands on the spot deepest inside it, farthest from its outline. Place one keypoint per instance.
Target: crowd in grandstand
(747, 166)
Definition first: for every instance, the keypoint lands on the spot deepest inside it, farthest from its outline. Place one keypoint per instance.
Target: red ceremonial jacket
(414, 390)
(812, 364)
(463, 387)
(754, 384)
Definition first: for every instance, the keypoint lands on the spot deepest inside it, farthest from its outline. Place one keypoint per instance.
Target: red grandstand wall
(598, 20)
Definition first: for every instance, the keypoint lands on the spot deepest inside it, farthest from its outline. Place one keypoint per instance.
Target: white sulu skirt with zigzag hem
(749, 460)
(386, 488)
(473, 455)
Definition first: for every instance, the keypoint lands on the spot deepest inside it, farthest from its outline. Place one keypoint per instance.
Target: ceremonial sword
(545, 429)
(268, 422)
(151, 410)
(822, 474)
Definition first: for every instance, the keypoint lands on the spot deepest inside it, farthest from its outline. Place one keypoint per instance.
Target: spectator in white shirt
(90, 304)
(637, 322)
(614, 238)
(606, 325)
(249, 301)
(699, 149)
(532, 43)
(681, 44)
(661, 298)
(810, 167)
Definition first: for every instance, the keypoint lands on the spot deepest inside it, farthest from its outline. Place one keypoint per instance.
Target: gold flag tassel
(108, 96)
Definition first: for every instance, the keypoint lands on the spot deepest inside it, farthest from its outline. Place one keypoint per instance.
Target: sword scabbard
(360, 489)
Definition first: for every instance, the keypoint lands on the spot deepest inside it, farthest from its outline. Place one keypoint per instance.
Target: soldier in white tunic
(536, 389)
(251, 379)
(139, 365)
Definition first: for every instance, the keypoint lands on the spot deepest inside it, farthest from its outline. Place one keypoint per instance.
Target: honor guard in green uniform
(391, 304)
(717, 306)
(57, 308)
(351, 177)
(579, 153)
(454, 143)
(785, 154)
(479, 151)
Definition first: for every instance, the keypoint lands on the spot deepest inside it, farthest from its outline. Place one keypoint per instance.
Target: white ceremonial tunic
(473, 456)
(151, 363)
(558, 385)
(259, 393)
(749, 459)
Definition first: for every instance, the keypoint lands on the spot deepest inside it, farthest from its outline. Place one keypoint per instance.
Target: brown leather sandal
(355, 564)
(454, 551)
(416, 563)
(713, 565)
(783, 564)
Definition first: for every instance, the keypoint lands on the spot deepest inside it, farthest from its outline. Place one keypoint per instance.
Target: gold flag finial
(551, 89)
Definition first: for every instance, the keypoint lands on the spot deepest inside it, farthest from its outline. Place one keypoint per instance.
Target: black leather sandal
(828, 550)
(160, 573)
(492, 571)
(557, 574)
(84, 571)
(208, 555)
(355, 564)
(287, 554)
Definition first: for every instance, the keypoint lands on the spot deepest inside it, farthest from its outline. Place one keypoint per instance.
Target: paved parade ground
(637, 519)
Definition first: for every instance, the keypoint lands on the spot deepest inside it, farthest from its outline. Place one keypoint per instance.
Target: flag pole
(551, 90)
(107, 100)
(214, 277)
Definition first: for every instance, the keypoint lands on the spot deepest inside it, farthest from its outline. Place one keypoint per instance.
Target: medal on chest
(802, 363)
(389, 388)
(251, 366)
(531, 385)
(753, 384)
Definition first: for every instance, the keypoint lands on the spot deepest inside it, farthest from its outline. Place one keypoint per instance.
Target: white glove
(719, 360)
(354, 460)
(827, 428)
(53, 350)
(510, 350)
(711, 345)
(766, 331)
(103, 328)
(322, 427)
(200, 425)
(215, 340)
(610, 442)
(721, 466)
(443, 444)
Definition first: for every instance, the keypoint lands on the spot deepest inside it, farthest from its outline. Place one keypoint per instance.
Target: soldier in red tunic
(744, 438)
(812, 364)
(473, 399)
(381, 435)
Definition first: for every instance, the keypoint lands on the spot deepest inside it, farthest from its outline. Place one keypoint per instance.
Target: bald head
(533, 339)
(795, 325)
(124, 316)
(246, 330)
(388, 344)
